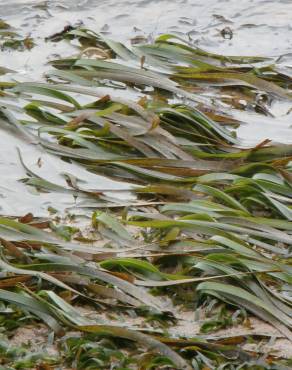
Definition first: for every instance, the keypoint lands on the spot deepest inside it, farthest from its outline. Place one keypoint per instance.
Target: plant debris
(189, 218)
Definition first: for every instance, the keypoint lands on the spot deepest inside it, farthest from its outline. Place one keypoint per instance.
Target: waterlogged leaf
(202, 206)
(97, 273)
(239, 78)
(33, 305)
(249, 301)
(17, 231)
(118, 72)
(113, 224)
(144, 340)
(142, 267)
(237, 245)
(108, 292)
(225, 198)
(188, 48)
(67, 310)
(284, 210)
(45, 90)
(5, 267)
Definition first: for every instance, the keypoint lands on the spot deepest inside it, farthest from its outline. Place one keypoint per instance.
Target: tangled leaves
(197, 216)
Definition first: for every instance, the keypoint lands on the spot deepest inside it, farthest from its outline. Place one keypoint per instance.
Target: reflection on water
(259, 27)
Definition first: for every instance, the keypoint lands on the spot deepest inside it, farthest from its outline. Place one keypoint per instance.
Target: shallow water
(260, 27)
